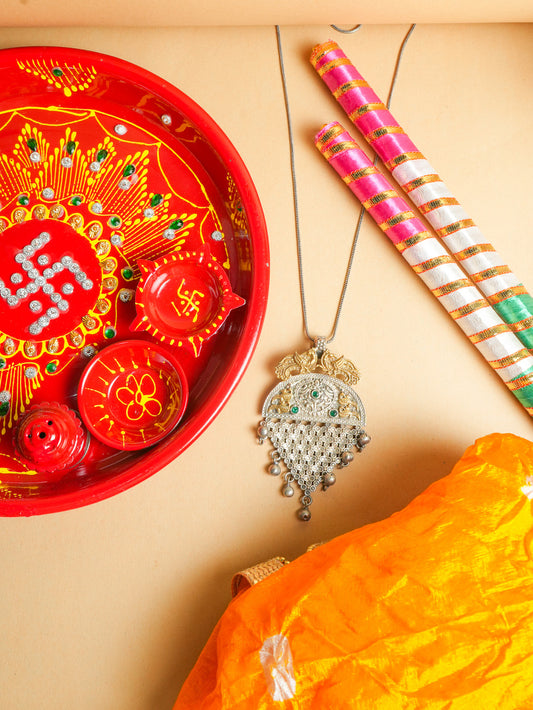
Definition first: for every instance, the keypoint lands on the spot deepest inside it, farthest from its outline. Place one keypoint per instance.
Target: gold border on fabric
(522, 324)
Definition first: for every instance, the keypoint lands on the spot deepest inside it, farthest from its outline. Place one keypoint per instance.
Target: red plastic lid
(132, 394)
(50, 438)
(183, 299)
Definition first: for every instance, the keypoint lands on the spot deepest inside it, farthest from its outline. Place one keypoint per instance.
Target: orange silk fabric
(431, 608)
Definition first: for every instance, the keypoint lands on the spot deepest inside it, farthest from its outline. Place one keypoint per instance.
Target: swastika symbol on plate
(35, 287)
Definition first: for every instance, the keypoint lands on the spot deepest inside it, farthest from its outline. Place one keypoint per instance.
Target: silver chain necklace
(313, 417)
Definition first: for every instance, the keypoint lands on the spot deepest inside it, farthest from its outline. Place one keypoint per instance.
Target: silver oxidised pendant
(314, 419)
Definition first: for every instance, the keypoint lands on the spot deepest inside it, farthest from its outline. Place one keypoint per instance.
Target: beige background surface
(107, 607)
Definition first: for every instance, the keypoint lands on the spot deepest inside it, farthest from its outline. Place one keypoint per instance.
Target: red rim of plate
(196, 424)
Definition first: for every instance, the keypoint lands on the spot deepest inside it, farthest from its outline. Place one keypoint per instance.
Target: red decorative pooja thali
(133, 263)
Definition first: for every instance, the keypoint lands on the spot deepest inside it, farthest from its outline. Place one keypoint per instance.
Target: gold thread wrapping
(380, 197)
(328, 66)
(490, 273)
(419, 181)
(403, 158)
(450, 287)
(348, 86)
(436, 203)
(455, 227)
(335, 130)
(321, 50)
(397, 219)
(411, 241)
(507, 293)
(520, 382)
(510, 359)
(339, 148)
(522, 324)
(361, 173)
(473, 250)
(469, 308)
(432, 263)
(377, 106)
(488, 333)
(382, 131)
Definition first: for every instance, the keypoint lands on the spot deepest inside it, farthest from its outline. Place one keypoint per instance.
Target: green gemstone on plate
(109, 333)
(176, 224)
(333, 412)
(115, 221)
(315, 394)
(128, 170)
(51, 367)
(156, 200)
(76, 201)
(23, 200)
(127, 273)
(4, 409)
(32, 144)
(101, 155)
(71, 147)
(295, 410)
(56, 71)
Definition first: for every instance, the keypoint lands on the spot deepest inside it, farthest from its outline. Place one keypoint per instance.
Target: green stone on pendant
(101, 155)
(176, 224)
(23, 200)
(4, 409)
(315, 394)
(32, 144)
(295, 410)
(333, 412)
(115, 221)
(128, 170)
(109, 333)
(71, 147)
(56, 71)
(76, 201)
(156, 200)
(127, 273)
(51, 367)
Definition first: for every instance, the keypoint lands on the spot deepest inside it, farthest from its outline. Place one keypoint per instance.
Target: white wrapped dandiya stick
(428, 258)
(421, 182)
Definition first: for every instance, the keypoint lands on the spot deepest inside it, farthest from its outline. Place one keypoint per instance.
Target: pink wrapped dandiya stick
(428, 258)
(418, 178)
